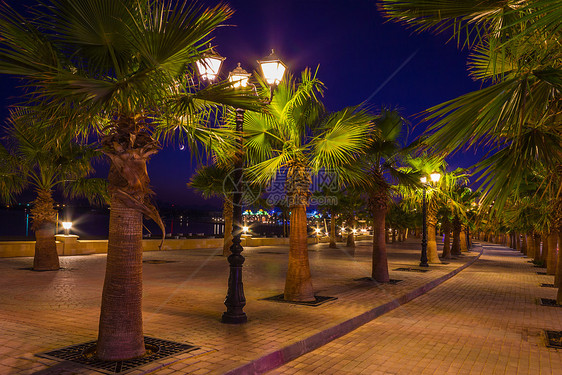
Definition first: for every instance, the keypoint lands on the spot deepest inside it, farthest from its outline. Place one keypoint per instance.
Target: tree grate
(548, 302)
(541, 273)
(543, 285)
(84, 354)
(319, 300)
(158, 261)
(409, 269)
(554, 339)
(370, 279)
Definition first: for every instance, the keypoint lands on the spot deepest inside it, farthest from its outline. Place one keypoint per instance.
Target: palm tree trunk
(120, 327)
(544, 249)
(227, 215)
(332, 230)
(462, 234)
(446, 241)
(298, 284)
(379, 270)
(552, 239)
(43, 214)
(432, 255)
(530, 245)
(538, 249)
(46, 257)
(523, 244)
(558, 276)
(456, 246)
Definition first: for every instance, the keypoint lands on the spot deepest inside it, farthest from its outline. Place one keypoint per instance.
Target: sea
(93, 223)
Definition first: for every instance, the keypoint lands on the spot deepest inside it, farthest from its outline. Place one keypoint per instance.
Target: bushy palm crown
(297, 133)
(516, 53)
(47, 163)
(97, 59)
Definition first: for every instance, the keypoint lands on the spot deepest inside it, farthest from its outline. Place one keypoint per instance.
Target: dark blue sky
(357, 52)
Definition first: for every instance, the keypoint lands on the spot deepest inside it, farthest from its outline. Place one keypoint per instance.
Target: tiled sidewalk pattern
(485, 320)
(183, 302)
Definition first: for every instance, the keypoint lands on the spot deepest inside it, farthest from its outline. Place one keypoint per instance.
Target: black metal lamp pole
(235, 299)
(423, 259)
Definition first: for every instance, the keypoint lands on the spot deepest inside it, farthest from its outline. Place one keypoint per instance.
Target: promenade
(483, 315)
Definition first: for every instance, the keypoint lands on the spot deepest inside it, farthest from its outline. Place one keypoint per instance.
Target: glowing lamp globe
(67, 225)
(423, 179)
(435, 176)
(272, 68)
(239, 77)
(209, 65)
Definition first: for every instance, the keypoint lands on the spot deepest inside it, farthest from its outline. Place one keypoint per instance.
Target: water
(93, 223)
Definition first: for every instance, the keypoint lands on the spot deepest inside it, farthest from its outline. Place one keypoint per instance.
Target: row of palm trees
(121, 73)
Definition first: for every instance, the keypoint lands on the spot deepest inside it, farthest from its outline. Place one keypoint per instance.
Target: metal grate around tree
(84, 355)
(553, 339)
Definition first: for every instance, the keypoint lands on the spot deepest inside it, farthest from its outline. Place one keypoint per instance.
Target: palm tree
(46, 166)
(382, 168)
(294, 141)
(124, 70)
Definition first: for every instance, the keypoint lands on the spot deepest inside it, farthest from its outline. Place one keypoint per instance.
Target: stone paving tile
(183, 302)
(485, 320)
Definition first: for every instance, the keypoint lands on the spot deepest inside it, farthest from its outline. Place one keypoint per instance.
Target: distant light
(67, 224)
(354, 231)
(423, 179)
(245, 229)
(182, 147)
(318, 230)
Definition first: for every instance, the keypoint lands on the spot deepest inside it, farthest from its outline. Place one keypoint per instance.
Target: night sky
(361, 57)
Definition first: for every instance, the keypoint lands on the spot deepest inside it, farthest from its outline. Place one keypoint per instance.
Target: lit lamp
(245, 229)
(209, 65)
(66, 225)
(272, 68)
(434, 176)
(239, 77)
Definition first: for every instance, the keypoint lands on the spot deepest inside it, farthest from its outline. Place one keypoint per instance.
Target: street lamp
(434, 176)
(66, 225)
(273, 70)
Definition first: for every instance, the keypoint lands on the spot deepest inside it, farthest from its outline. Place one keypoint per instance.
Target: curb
(287, 354)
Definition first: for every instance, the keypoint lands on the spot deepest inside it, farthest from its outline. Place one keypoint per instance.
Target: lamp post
(273, 70)
(435, 176)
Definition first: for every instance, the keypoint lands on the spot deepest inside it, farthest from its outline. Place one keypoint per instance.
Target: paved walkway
(485, 320)
(42, 311)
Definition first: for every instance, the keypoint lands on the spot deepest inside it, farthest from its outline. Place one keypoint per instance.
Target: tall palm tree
(124, 70)
(382, 169)
(294, 141)
(45, 166)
